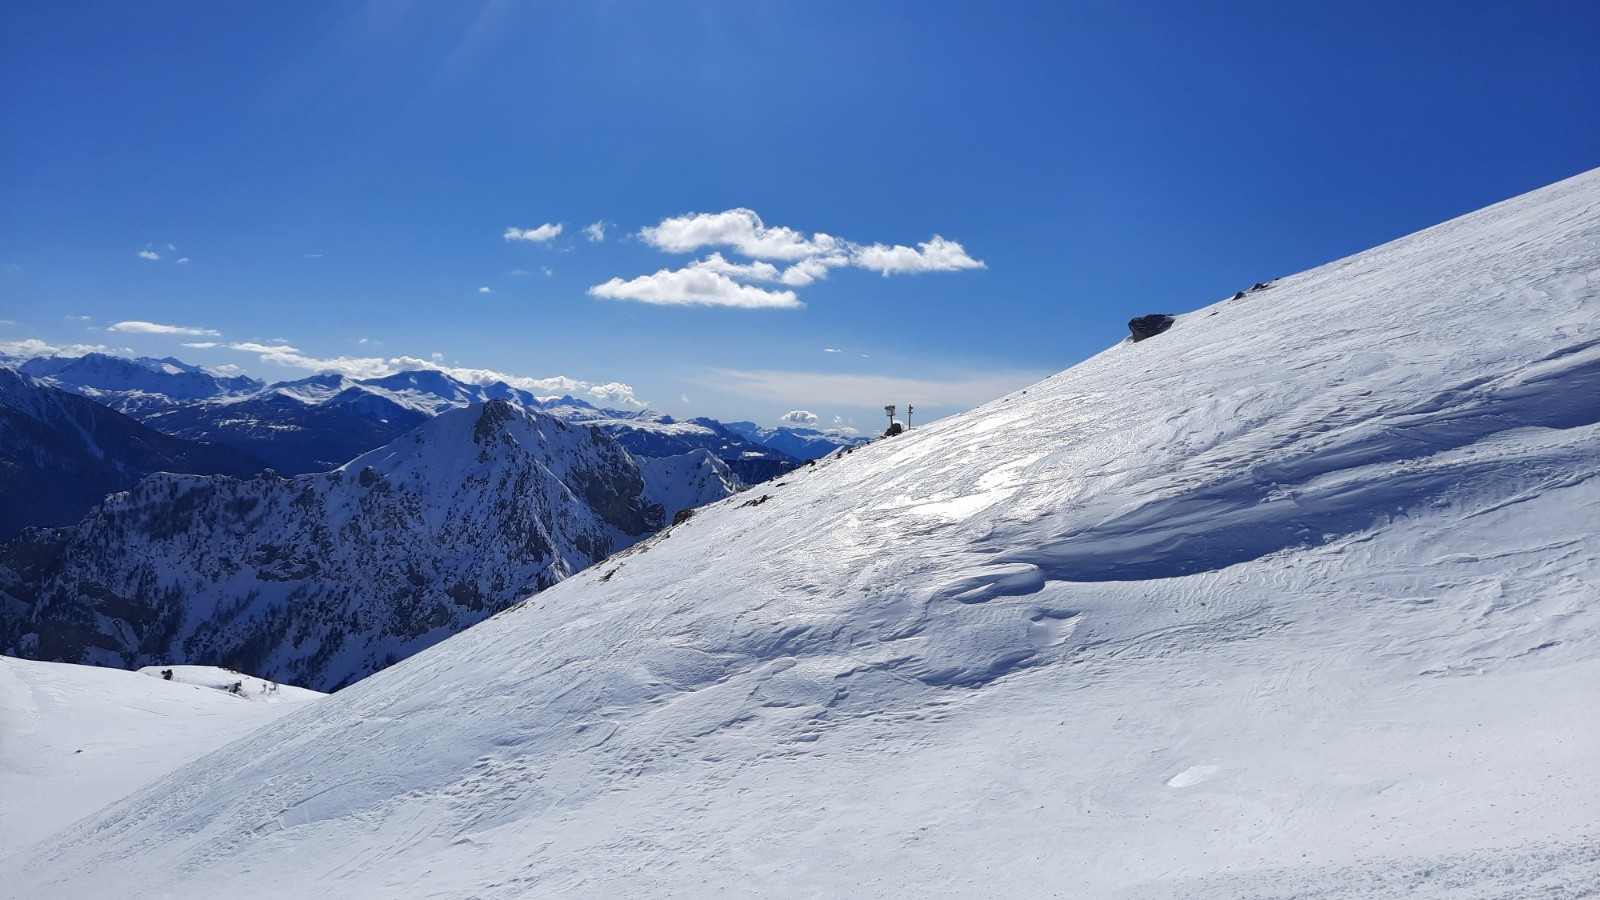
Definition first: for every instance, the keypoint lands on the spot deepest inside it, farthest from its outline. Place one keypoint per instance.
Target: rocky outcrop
(1150, 326)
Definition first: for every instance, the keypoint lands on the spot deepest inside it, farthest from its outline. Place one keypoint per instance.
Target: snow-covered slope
(323, 579)
(75, 738)
(1299, 598)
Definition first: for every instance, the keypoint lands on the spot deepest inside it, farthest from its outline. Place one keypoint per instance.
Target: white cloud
(816, 268)
(843, 425)
(615, 392)
(202, 345)
(740, 229)
(149, 254)
(799, 417)
(76, 318)
(182, 260)
(485, 290)
(520, 273)
(290, 357)
(869, 391)
(937, 255)
(170, 247)
(809, 259)
(755, 271)
(694, 287)
(595, 231)
(547, 271)
(138, 327)
(31, 347)
(831, 350)
(543, 233)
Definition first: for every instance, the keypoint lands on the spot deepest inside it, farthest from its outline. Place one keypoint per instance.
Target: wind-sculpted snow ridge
(323, 579)
(1298, 598)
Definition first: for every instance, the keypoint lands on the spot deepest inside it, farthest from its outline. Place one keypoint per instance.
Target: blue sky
(330, 184)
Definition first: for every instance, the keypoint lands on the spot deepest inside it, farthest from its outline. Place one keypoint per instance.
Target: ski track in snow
(1297, 599)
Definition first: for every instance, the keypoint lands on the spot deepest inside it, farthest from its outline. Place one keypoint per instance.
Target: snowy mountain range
(1240, 610)
(61, 454)
(318, 423)
(135, 386)
(800, 443)
(322, 579)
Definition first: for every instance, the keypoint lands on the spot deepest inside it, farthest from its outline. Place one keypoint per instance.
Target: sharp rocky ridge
(323, 579)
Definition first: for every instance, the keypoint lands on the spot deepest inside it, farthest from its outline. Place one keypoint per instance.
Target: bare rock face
(1150, 326)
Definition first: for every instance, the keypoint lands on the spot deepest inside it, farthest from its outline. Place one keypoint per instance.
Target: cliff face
(320, 580)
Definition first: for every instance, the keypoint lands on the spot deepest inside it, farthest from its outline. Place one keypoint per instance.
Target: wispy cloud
(485, 290)
(137, 327)
(290, 357)
(869, 391)
(595, 231)
(694, 287)
(543, 233)
(149, 254)
(201, 345)
(76, 318)
(182, 260)
(754, 271)
(31, 347)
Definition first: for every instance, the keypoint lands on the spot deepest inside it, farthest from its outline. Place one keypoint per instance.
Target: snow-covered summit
(136, 385)
(1299, 598)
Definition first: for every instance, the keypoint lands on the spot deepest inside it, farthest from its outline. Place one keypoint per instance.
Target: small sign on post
(889, 411)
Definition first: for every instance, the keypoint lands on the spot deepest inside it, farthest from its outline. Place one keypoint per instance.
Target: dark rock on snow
(1150, 326)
